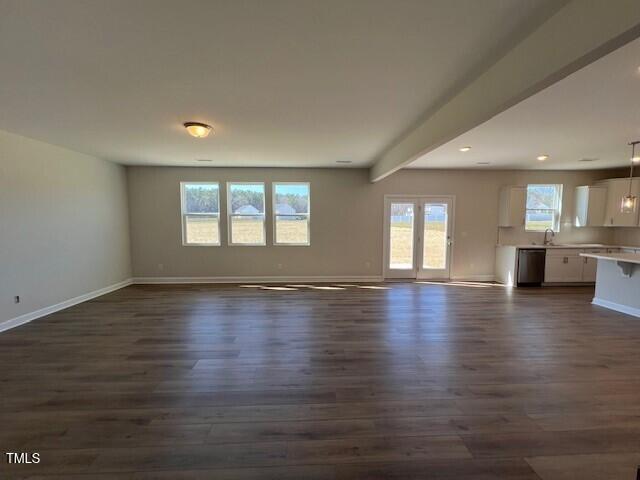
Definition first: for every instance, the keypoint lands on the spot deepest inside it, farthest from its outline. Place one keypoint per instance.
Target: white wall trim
(616, 306)
(251, 279)
(474, 278)
(27, 317)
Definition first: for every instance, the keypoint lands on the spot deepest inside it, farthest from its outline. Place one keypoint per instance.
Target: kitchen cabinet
(616, 189)
(511, 208)
(589, 265)
(590, 206)
(563, 266)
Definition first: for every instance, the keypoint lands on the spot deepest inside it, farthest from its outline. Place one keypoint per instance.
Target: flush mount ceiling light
(630, 202)
(542, 158)
(197, 129)
(464, 149)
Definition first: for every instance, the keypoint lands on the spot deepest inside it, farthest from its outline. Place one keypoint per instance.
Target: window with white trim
(544, 203)
(200, 204)
(246, 213)
(291, 213)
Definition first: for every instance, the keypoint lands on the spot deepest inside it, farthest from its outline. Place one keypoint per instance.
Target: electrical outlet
(279, 266)
(16, 299)
(160, 267)
(367, 264)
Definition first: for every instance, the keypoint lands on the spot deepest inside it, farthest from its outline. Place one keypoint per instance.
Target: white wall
(627, 236)
(64, 228)
(346, 220)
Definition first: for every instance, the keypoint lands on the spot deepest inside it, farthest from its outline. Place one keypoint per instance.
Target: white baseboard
(283, 279)
(27, 317)
(475, 278)
(616, 306)
(250, 279)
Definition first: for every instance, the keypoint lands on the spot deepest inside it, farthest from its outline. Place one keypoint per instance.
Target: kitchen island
(617, 281)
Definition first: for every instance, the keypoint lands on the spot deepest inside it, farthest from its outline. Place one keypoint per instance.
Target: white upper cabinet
(616, 189)
(590, 206)
(511, 209)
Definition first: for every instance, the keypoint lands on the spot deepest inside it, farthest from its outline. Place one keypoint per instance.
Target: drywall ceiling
(592, 114)
(284, 82)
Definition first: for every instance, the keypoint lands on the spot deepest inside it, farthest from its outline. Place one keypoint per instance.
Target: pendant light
(630, 202)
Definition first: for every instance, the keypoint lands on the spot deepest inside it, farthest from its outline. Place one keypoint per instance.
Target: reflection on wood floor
(330, 381)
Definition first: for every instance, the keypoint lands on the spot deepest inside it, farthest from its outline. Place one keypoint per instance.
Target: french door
(418, 237)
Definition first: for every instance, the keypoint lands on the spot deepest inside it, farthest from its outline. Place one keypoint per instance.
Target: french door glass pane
(401, 236)
(435, 236)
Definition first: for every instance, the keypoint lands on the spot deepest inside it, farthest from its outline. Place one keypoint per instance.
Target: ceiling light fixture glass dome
(197, 129)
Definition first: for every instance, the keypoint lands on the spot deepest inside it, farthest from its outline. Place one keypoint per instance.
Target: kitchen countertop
(616, 257)
(569, 245)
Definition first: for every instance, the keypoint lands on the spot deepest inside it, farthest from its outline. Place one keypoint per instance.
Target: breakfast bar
(617, 281)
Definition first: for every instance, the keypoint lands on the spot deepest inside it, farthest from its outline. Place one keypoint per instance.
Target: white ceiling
(594, 113)
(283, 82)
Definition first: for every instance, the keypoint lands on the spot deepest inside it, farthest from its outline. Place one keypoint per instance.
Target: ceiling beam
(575, 36)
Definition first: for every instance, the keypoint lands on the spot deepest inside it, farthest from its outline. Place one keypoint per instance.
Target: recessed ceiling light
(197, 129)
(483, 163)
(464, 149)
(343, 161)
(542, 158)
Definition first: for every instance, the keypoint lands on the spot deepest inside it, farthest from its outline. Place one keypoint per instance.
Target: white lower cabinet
(589, 268)
(562, 269)
(567, 266)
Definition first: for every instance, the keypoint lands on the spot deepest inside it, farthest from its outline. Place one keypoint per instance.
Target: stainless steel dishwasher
(531, 267)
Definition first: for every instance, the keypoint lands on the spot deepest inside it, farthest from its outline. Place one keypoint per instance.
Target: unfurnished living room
(320, 239)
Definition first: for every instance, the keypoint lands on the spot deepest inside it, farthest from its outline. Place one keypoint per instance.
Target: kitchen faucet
(548, 241)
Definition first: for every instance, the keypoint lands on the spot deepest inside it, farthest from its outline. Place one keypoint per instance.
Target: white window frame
(231, 214)
(274, 215)
(557, 212)
(184, 216)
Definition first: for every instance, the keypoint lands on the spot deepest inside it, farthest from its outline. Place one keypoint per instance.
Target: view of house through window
(245, 204)
(291, 211)
(200, 214)
(543, 207)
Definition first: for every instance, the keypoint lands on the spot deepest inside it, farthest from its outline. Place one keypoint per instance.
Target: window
(543, 208)
(200, 213)
(245, 206)
(291, 213)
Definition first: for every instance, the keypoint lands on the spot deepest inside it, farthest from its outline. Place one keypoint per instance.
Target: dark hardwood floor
(404, 381)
